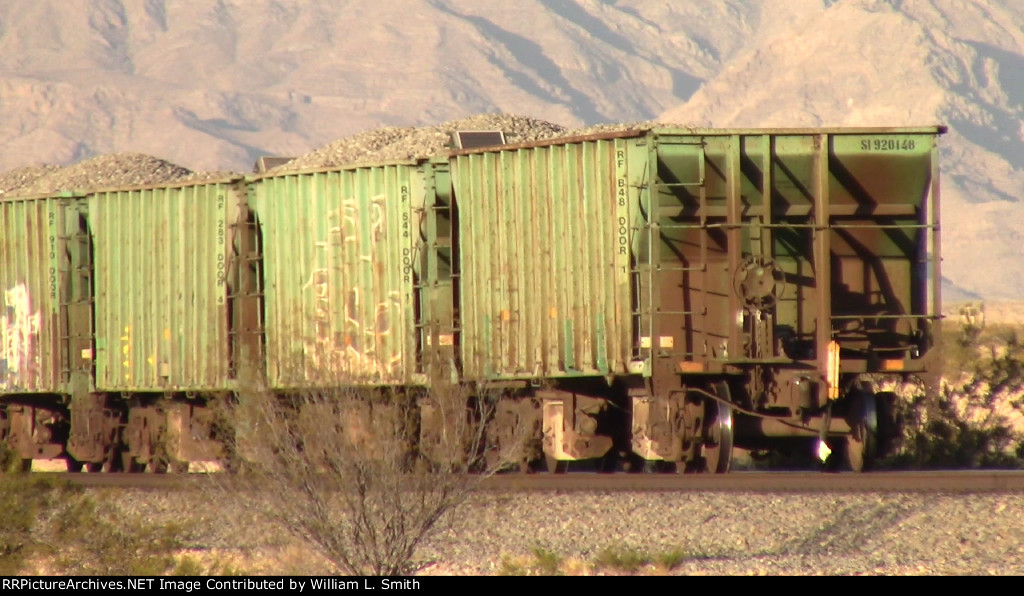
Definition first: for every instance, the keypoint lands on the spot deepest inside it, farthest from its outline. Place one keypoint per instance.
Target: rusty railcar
(127, 319)
(161, 263)
(669, 293)
(339, 287)
(356, 290)
(44, 337)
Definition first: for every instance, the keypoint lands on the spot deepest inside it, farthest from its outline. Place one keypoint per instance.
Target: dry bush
(345, 472)
(981, 401)
(975, 417)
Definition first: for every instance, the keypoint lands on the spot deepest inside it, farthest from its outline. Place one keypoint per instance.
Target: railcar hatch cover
(268, 162)
(473, 139)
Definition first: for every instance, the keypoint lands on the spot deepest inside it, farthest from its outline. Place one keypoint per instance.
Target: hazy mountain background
(213, 84)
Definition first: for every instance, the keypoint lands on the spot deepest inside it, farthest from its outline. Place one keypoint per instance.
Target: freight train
(656, 296)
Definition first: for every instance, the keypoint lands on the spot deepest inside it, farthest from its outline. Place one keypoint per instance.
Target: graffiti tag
(360, 346)
(19, 331)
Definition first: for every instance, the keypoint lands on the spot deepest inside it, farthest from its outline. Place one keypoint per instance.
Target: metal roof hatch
(473, 139)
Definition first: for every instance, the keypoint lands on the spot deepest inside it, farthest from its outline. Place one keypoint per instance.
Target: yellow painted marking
(126, 348)
(832, 370)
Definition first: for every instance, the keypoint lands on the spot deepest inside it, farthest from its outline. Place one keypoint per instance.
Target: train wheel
(555, 466)
(718, 430)
(113, 461)
(157, 465)
(660, 467)
(634, 464)
(128, 463)
(73, 464)
(862, 443)
(609, 463)
(889, 430)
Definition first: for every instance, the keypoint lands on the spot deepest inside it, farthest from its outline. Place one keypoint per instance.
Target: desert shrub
(974, 417)
(622, 558)
(345, 472)
(981, 404)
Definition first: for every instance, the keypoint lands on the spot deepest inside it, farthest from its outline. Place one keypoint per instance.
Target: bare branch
(356, 474)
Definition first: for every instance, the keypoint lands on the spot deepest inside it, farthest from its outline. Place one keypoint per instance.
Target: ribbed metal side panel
(338, 250)
(29, 295)
(160, 259)
(544, 259)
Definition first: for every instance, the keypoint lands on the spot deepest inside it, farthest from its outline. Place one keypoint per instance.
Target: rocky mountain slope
(213, 84)
(900, 63)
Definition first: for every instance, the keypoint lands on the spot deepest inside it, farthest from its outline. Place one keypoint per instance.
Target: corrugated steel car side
(545, 258)
(338, 263)
(161, 266)
(31, 245)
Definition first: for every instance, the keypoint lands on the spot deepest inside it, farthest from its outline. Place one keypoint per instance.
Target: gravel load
(24, 177)
(371, 146)
(401, 143)
(412, 142)
(105, 171)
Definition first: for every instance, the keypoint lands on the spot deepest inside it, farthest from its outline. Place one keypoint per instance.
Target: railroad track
(973, 481)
